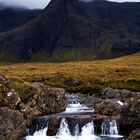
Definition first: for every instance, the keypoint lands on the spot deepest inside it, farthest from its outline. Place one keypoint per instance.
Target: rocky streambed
(51, 113)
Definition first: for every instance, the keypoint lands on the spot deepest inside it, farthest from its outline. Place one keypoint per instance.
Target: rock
(108, 107)
(91, 101)
(13, 125)
(131, 115)
(16, 115)
(134, 113)
(51, 100)
(72, 82)
(13, 97)
(134, 135)
(121, 95)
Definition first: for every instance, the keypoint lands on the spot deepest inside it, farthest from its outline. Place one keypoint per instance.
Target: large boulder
(131, 115)
(49, 100)
(134, 135)
(91, 101)
(121, 95)
(108, 107)
(12, 124)
(16, 114)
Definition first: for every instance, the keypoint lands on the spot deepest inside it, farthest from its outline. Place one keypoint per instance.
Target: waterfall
(76, 130)
(88, 129)
(64, 128)
(42, 132)
(113, 128)
(109, 127)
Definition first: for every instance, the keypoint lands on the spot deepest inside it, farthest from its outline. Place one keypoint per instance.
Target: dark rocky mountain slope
(75, 30)
(12, 17)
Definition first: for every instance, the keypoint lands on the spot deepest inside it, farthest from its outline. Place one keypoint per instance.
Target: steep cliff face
(75, 30)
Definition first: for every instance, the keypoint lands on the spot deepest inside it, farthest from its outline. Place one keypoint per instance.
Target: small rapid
(65, 134)
(72, 125)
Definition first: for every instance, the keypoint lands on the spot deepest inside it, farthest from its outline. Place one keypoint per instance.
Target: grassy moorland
(86, 76)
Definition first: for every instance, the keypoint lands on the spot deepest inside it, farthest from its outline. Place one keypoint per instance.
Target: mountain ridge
(74, 30)
(12, 17)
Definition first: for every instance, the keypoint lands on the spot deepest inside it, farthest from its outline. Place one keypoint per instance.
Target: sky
(26, 3)
(41, 3)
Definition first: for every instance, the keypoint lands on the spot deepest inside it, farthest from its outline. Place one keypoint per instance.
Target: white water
(64, 133)
(121, 103)
(76, 130)
(77, 108)
(64, 129)
(109, 128)
(88, 129)
(41, 132)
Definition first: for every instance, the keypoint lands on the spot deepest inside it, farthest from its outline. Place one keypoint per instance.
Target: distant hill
(75, 30)
(12, 17)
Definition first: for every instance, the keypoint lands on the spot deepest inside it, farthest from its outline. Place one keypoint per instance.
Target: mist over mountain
(75, 30)
(12, 17)
(32, 4)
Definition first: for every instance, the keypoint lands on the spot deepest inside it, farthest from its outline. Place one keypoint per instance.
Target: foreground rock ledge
(14, 122)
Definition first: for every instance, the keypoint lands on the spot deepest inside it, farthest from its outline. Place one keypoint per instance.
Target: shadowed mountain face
(12, 17)
(75, 30)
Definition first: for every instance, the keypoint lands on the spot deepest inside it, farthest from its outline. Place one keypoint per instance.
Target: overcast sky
(40, 3)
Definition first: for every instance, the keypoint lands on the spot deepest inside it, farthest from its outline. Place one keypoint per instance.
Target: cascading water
(41, 132)
(109, 127)
(65, 134)
(64, 129)
(88, 129)
(75, 131)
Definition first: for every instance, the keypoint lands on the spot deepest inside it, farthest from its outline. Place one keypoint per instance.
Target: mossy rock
(132, 81)
(86, 89)
(25, 90)
(108, 107)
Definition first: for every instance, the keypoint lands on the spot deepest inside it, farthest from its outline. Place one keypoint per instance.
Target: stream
(74, 123)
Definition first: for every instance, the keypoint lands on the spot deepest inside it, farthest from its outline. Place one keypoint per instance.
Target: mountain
(75, 30)
(12, 17)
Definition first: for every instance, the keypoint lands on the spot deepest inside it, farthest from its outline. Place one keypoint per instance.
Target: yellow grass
(119, 69)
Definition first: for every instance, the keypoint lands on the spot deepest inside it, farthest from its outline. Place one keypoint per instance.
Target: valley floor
(123, 72)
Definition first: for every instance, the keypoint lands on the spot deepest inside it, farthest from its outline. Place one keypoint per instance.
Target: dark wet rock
(134, 135)
(121, 95)
(108, 107)
(12, 124)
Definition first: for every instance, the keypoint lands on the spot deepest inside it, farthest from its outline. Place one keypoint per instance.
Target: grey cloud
(43, 3)
(26, 3)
